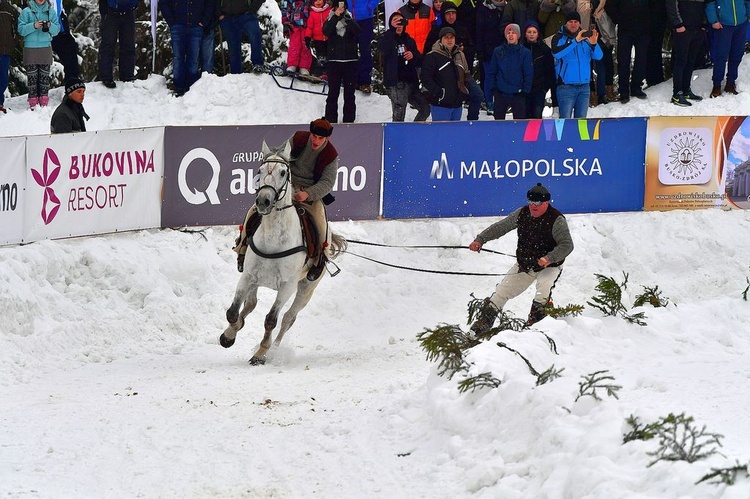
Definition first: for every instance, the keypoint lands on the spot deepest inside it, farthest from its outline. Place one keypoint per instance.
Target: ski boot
(485, 318)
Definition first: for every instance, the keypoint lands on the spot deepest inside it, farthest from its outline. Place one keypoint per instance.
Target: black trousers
(685, 49)
(341, 74)
(516, 103)
(625, 44)
(117, 26)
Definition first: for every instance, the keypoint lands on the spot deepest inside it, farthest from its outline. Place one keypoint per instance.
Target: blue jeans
(4, 68)
(446, 113)
(573, 100)
(232, 27)
(476, 96)
(208, 51)
(186, 45)
(728, 46)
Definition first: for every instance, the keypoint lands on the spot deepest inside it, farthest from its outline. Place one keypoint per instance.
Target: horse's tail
(338, 245)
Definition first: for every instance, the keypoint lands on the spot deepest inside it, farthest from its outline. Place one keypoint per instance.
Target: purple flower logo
(51, 204)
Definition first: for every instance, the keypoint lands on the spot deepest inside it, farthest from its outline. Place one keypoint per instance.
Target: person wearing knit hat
(464, 41)
(510, 75)
(313, 163)
(544, 70)
(543, 244)
(69, 116)
(574, 49)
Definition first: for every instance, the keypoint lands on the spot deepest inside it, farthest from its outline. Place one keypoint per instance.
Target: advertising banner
(697, 162)
(93, 183)
(12, 188)
(485, 168)
(209, 172)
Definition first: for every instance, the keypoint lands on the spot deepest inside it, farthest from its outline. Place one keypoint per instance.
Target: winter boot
(316, 270)
(593, 99)
(538, 312)
(716, 91)
(304, 72)
(291, 69)
(33, 101)
(485, 318)
(731, 88)
(44, 100)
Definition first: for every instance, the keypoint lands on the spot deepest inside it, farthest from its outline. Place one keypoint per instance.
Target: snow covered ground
(113, 383)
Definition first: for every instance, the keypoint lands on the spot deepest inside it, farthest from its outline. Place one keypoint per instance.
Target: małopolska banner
(93, 183)
(697, 162)
(209, 172)
(12, 189)
(485, 168)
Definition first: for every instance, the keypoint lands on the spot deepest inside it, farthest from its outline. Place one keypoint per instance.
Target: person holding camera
(38, 24)
(400, 62)
(574, 49)
(343, 62)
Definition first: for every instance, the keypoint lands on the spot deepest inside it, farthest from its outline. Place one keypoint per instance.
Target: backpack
(122, 5)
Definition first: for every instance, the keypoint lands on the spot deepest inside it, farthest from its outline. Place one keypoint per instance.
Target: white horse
(276, 256)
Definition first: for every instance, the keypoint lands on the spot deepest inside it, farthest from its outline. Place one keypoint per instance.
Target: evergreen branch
(594, 381)
(726, 476)
(550, 374)
(639, 431)
(572, 310)
(652, 296)
(681, 440)
(531, 368)
(446, 344)
(479, 381)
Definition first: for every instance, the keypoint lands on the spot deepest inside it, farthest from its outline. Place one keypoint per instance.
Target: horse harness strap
(308, 235)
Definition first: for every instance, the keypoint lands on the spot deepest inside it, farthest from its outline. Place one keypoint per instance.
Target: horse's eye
(283, 173)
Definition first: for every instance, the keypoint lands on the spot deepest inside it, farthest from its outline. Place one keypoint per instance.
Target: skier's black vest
(535, 238)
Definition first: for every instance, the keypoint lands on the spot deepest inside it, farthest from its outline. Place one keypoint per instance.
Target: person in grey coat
(543, 244)
(69, 116)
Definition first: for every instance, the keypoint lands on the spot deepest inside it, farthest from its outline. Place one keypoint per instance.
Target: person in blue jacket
(728, 20)
(510, 75)
(38, 24)
(363, 12)
(574, 49)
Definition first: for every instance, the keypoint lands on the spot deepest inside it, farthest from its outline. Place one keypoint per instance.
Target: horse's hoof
(232, 317)
(226, 342)
(257, 361)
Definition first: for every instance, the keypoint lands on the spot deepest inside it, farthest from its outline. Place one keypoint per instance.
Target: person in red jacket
(315, 39)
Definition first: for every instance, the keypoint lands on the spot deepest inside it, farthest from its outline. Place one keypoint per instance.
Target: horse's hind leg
(285, 291)
(229, 335)
(305, 291)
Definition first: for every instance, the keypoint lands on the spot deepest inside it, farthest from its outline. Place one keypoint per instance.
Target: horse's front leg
(246, 292)
(282, 296)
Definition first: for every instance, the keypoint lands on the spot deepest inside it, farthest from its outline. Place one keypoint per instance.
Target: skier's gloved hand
(308, 42)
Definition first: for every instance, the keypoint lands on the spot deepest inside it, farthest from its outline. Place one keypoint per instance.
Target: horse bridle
(280, 193)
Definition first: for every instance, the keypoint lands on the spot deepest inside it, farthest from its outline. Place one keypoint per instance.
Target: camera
(587, 34)
(403, 22)
(45, 26)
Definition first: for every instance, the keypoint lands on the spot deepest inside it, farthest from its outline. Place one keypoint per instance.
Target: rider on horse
(313, 165)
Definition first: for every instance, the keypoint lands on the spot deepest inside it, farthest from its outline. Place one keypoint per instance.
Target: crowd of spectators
(503, 56)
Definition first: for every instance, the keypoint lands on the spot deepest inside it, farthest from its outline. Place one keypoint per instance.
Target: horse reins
(428, 271)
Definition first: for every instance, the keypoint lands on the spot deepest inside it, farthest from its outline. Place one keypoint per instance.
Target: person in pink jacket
(314, 37)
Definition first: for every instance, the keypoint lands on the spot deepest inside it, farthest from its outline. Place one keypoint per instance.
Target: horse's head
(273, 178)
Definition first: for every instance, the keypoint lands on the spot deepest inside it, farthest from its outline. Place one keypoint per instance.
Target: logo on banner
(553, 130)
(685, 155)
(516, 168)
(192, 195)
(45, 179)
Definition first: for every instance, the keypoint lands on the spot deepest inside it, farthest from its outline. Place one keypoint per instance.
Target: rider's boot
(314, 273)
(538, 312)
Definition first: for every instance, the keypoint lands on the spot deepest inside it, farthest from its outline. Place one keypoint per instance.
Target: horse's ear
(288, 149)
(265, 149)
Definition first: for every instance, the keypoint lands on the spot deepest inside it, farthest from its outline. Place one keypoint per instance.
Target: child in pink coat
(294, 19)
(319, 12)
